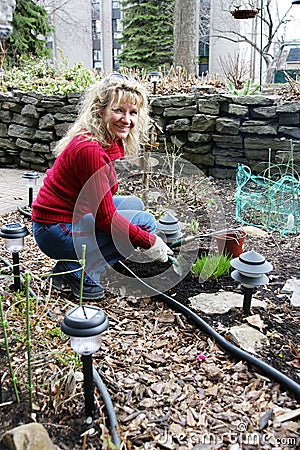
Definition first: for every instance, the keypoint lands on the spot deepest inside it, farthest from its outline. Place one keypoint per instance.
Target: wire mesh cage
(270, 199)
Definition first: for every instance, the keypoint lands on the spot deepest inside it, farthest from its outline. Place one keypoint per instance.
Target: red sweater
(82, 181)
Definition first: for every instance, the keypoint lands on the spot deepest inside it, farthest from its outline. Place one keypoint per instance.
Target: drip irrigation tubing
(112, 418)
(25, 213)
(235, 351)
(113, 422)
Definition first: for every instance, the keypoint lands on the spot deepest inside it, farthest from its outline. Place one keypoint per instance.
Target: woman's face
(120, 119)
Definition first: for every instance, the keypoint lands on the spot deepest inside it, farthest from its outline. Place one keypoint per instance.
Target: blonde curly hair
(115, 89)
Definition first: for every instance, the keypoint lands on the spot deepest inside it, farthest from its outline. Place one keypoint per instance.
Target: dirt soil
(171, 384)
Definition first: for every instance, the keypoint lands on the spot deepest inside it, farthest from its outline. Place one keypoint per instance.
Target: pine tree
(30, 29)
(148, 34)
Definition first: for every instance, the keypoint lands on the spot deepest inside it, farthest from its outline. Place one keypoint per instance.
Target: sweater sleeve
(97, 168)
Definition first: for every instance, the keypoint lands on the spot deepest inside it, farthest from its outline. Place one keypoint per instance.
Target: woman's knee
(128, 202)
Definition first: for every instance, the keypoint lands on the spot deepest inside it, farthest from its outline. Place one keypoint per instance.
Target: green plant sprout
(32, 306)
(211, 266)
(11, 370)
(82, 262)
(28, 340)
(194, 226)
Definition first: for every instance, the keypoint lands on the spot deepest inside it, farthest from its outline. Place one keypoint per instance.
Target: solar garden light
(84, 324)
(31, 178)
(13, 234)
(251, 268)
(154, 77)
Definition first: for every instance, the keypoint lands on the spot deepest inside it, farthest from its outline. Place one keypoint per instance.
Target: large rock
(32, 436)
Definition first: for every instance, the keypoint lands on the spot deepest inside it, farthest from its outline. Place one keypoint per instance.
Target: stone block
(5, 116)
(3, 130)
(44, 135)
(264, 112)
(20, 131)
(26, 121)
(288, 107)
(203, 123)
(199, 137)
(287, 119)
(227, 125)
(61, 129)
(228, 141)
(258, 127)
(237, 110)
(7, 144)
(31, 436)
(208, 106)
(188, 111)
(266, 143)
(46, 122)
(31, 157)
(30, 111)
(178, 125)
(23, 144)
(40, 148)
(11, 106)
(293, 132)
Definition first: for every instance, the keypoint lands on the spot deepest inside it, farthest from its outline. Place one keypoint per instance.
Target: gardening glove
(159, 250)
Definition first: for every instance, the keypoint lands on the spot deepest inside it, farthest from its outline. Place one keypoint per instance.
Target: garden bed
(171, 385)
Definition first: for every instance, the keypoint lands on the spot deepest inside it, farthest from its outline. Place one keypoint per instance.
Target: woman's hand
(159, 251)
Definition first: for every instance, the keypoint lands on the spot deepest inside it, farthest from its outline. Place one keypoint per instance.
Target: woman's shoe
(61, 278)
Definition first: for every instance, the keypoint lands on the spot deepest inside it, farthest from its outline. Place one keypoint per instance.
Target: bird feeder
(14, 234)
(251, 269)
(84, 325)
(169, 228)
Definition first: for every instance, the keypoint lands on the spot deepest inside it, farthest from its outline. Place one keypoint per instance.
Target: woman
(77, 203)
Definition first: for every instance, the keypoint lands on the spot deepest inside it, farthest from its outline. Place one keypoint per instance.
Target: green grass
(213, 266)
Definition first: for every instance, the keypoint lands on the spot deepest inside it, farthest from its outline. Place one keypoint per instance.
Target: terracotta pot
(244, 13)
(231, 243)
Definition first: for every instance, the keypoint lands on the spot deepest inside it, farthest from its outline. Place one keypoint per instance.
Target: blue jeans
(65, 240)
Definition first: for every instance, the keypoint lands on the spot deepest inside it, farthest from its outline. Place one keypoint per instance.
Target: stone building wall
(214, 132)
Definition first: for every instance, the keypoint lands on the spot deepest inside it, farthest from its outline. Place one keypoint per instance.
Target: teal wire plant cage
(270, 199)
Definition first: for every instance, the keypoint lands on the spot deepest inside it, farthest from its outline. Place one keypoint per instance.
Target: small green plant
(41, 75)
(213, 266)
(194, 226)
(247, 89)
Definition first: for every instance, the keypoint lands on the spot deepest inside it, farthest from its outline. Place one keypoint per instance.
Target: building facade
(86, 32)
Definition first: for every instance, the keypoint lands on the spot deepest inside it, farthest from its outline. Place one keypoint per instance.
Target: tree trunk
(186, 29)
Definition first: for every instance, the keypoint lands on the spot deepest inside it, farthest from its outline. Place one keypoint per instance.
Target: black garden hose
(235, 351)
(25, 213)
(113, 422)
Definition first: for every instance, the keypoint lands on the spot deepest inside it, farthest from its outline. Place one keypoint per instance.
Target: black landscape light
(31, 178)
(84, 324)
(154, 77)
(169, 228)
(251, 268)
(14, 234)
(296, 2)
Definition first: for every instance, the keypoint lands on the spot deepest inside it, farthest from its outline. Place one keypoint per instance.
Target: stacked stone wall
(30, 126)
(217, 132)
(214, 132)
